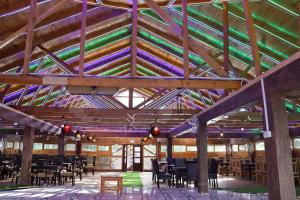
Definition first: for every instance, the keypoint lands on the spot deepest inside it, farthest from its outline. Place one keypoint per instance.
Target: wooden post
(26, 156)
(280, 176)
(252, 37)
(134, 29)
(29, 37)
(169, 147)
(82, 38)
(61, 145)
(202, 158)
(185, 39)
(226, 36)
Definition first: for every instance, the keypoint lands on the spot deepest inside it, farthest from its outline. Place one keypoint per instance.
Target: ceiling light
(242, 129)
(15, 124)
(222, 134)
(243, 109)
(226, 117)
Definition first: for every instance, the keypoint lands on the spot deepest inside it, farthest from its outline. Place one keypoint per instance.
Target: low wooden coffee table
(118, 179)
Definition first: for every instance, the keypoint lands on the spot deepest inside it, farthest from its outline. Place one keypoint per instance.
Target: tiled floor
(88, 189)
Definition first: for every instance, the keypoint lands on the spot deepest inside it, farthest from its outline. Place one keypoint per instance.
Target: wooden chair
(258, 170)
(264, 172)
(296, 172)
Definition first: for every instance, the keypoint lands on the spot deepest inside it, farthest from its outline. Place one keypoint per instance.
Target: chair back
(155, 166)
(170, 161)
(213, 169)
(180, 162)
(191, 168)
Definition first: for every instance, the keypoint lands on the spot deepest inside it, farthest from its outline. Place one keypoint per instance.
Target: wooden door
(137, 158)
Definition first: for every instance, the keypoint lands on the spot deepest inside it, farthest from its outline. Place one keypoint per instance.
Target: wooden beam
(26, 156)
(193, 44)
(278, 79)
(61, 64)
(202, 158)
(40, 18)
(226, 36)
(51, 111)
(252, 37)
(29, 36)
(281, 185)
(82, 38)
(13, 115)
(134, 29)
(185, 38)
(121, 83)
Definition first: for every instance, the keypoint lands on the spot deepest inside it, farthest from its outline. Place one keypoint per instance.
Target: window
(150, 150)
(191, 148)
(163, 148)
(210, 148)
(89, 147)
(16, 145)
(123, 97)
(297, 143)
(103, 148)
(243, 147)
(9, 145)
(37, 146)
(235, 148)
(50, 146)
(117, 150)
(259, 146)
(220, 148)
(179, 148)
(70, 147)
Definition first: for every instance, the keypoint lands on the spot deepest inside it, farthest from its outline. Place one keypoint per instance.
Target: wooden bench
(118, 179)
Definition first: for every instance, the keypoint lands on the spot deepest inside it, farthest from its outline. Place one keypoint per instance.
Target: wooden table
(118, 179)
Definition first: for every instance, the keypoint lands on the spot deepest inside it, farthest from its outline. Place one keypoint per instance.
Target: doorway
(132, 158)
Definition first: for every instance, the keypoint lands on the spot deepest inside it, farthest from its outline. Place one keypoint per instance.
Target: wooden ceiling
(159, 55)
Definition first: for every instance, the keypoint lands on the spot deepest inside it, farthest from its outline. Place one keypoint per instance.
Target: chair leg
(157, 182)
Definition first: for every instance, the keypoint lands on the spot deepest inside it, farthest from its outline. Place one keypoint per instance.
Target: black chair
(191, 168)
(180, 162)
(161, 175)
(213, 173)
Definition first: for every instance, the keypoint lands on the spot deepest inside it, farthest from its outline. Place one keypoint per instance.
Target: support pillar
(202, 158)
(61, 145)
(169, 147)
(280, 176)
(26, 156)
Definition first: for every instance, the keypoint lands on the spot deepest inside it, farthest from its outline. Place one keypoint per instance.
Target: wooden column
(82, 38)
(29, 37)
(169, 147)
(252, 37)
(134, 37)
(185, 39)
(26, 156)
(226, 36)
(61, 145)
(202, 158)
(280, 176)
